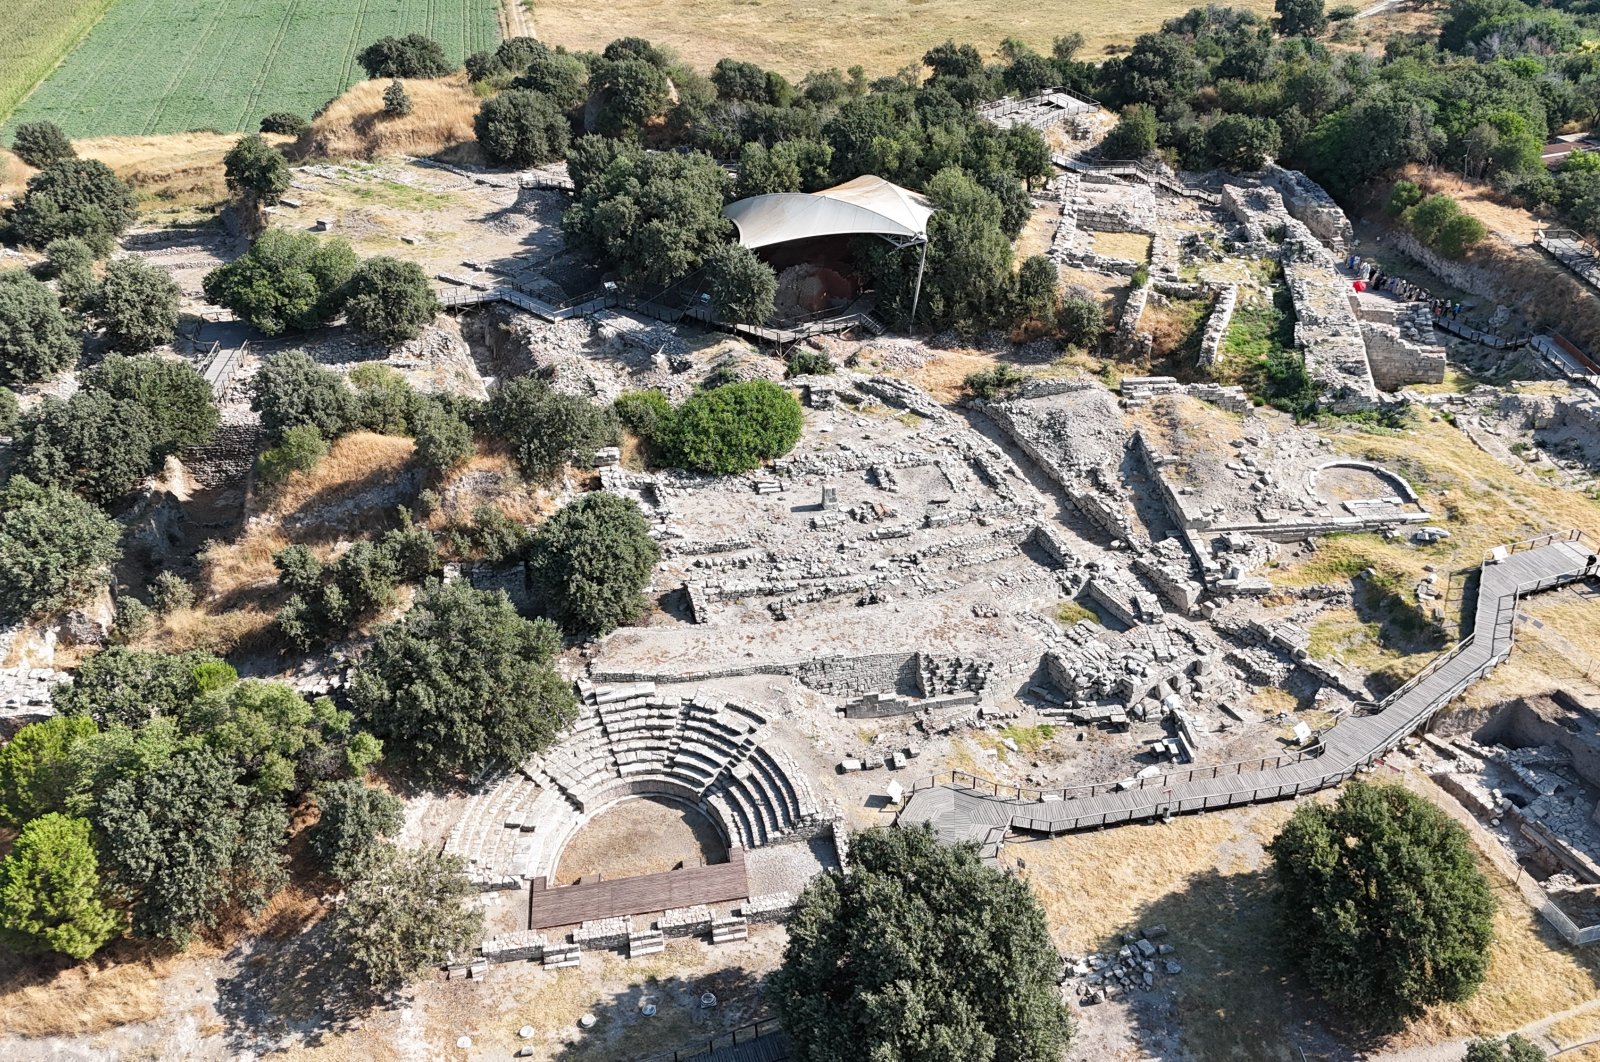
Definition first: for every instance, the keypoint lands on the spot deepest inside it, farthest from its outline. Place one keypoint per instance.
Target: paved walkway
(963, 807)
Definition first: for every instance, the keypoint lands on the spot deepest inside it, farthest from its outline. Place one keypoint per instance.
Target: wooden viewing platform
(570, 905)
(964, 807)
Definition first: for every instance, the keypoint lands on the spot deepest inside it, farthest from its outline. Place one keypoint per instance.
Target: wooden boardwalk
(963, 807)
(571, 905)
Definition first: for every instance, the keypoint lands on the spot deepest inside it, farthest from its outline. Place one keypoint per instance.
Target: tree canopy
(94, 443)
(593, 558)
(50, 890)
(352, 820)
(522, 128)
(36, 341)
(920, 953)
(287, 281)
(652, 217)
(172, 393)
(413, 55)
(544, 427)
(461, 681)
(406, 914)
(1385, 902)
(75, 197)
(137, 305)
(742, 287)
(733, 428)
(55, 548)
(390, 300)
(291, 390)
(256, 172)
(41, 143)
(35, 767)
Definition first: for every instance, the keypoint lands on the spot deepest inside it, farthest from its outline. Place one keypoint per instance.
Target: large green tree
(352, 819)
(734, 428)
(919, 953)
(120, 686)
(1384, 901)
(137, 305)
(544, 427)
(742, 287)
(41, 143)
(256, 173)
(1300, 18)
(593, 558)
(55, 548)
(75, 197)
(291, 391)
(408, 912)
(390, 300)
(288, 280)
(50, 892)
(183, 837)
(412, 55)
(462, 681)
(653, 217)
(35, 767)
(94, 443)
(36, 341)
(522, 128)
(172, 393)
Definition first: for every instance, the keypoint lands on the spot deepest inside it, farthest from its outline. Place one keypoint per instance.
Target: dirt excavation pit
(647, 835)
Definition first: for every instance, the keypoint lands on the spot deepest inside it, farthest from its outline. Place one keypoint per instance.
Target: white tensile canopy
(867, 205)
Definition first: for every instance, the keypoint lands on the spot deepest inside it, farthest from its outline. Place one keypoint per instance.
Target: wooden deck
(570, 905)
(966, 808)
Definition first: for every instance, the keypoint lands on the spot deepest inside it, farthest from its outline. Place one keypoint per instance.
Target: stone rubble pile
(1143, 959)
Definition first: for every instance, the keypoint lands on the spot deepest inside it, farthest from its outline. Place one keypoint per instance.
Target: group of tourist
(1371, 277)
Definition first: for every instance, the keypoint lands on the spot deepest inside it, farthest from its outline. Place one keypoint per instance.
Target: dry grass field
(881, 35)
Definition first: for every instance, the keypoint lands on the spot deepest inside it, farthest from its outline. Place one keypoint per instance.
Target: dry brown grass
(354, 464)
(41, 997)
(354, 126)
(881, 35)
(169, 174)
(1128, 246)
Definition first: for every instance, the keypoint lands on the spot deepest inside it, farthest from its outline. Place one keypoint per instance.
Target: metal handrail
(742, 1035)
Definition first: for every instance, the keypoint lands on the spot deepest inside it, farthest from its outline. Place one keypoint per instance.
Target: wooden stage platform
(569, 905)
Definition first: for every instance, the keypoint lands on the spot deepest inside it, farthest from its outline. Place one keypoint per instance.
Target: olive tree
(75, 197)
(593, 558)
(36, 340)
(137, 305)
(390, 300)
(522, 128)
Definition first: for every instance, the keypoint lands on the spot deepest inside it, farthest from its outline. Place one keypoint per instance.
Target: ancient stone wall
(1313, 207)
(1405, 352)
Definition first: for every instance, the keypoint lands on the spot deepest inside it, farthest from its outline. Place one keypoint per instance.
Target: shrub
(1430, 215)
(645, 413)
(75, 197)
(543, 428)
(36, 341)
(299, 450)
(462, 681)
(390, 300)
(491, 536)
(169, 594)
(1514, 1048)
(405, 914)
(101, 446)
(284, 123)
(632, 91)
(8, 412)
(36, 769)
(735, 427)
(1134, 135)
(413, 55)
(561, 77)
(1402, 197)
(396, 103)
(1243, 142)
(291, 390)
(1352, 871)
(137, 305)
(328, 601)
(522, 128)
(131, 620)
(593, 558)
(991, 383)
(985, 967)
(1300, 18)
(50, 892)
(1459, 235)
(443, 439)
(808, 363)
(1038, 290)
(1082, 320)
(384, 402)
(288, 280)
(742, 287)
(353, 818)
(41, 143)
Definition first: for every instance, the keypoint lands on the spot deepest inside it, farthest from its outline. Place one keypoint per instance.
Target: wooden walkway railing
(966, 807)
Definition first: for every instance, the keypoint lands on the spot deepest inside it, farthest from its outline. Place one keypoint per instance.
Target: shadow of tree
(291, 991)
(622, 1031)
(1239, 995)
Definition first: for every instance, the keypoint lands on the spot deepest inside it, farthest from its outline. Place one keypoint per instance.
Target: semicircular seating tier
(630, 742)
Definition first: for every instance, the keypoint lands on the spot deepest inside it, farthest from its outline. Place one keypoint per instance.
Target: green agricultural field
(167, 66)
(36, 34)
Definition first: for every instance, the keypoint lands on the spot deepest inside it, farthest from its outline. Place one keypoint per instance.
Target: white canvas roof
(865, 205)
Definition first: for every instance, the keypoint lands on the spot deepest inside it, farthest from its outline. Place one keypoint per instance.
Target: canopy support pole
(916, 292)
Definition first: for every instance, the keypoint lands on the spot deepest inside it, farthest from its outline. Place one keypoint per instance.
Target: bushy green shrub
(137, 305)
(991, 383)
(288, 281)
(41, 143)
(734, 428)
(390, 300)
(544, 428)
(36, 340)
(592, 559)
(75, 197)
(522, 128)
(299, 450)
